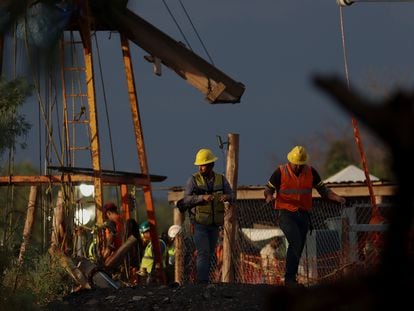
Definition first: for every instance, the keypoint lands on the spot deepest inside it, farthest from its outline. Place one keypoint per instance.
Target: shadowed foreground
(187, 297)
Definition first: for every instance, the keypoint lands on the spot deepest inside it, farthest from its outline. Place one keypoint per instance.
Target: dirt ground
(155, 297)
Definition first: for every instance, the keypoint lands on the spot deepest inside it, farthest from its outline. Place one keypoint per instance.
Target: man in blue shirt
(205, 193)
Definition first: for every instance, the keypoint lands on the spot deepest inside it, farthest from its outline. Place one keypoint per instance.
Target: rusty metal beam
(139, 140)
(213, 83)
(72, 178)
(126, 210)
(85, 32)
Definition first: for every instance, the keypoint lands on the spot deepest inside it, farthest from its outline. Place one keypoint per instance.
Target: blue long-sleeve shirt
(192, 196)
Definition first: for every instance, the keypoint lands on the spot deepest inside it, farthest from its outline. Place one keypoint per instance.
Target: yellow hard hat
(205, 156)
(298, 156)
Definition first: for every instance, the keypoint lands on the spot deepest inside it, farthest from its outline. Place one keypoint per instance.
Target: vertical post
(28, 226)
(230, 219)
(178, 219)
(375, 211)
(126, 212)
(85, 32)
(58, 230)
(139, 139)
(179, 258)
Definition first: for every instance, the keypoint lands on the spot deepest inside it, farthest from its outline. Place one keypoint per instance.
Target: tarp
(43, 23)
(257, 235)
(351, 173)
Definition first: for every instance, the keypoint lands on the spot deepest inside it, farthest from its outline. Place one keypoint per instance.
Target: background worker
(205, 193)
(271, 255)
(114, 232)
(293, 183)
(146, 269)
(173, 231)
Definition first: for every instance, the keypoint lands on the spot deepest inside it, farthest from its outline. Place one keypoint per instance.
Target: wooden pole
(179, 258)
(126, 211)
(179, 219)
(120, 252)
(139, 140)
(212, 82)
(58, 230)
(67, 263)
(85, 32)
(230, 216)
(28, 226)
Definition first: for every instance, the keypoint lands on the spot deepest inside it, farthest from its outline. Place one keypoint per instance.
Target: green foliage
(18, 300)
(163, 212)
(339, 155)
(5, 260)
(12, 124)
(13, 207)
(343, 152)
(37, 282)
(336, 148)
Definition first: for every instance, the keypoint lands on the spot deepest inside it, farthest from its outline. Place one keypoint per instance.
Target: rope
(39, 97)
(346, 65)
(178, 26)
(60, 134)
(106, 111)
(375, 211)
(196, 32)
(106, 103)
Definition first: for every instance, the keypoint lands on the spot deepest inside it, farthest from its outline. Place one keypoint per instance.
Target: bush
(37, 282)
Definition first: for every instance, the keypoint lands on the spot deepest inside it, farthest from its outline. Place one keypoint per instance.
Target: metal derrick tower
(88, 17)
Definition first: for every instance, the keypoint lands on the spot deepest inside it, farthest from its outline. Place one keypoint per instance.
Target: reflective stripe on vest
(211, 213)
(295, 191)
(147, 261)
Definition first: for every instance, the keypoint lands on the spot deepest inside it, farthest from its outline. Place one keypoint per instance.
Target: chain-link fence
(343, 239)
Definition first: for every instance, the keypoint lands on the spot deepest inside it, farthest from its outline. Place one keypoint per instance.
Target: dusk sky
(273, 48)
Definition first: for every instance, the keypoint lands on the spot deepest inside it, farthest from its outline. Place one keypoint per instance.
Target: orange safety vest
(295, 191)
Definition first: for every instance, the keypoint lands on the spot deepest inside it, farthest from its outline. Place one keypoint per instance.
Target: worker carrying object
(293, 183)
(204, 195)
(114, 231)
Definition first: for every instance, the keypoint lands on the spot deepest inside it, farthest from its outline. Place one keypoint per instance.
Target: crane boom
(213, 83)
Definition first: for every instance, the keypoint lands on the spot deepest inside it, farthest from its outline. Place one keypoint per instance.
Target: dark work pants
(205, 240)
(295, 226)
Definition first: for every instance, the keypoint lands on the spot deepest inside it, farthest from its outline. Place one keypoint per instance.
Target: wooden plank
(74, 179)
(346, 190)
(106, 173)
(213, 83)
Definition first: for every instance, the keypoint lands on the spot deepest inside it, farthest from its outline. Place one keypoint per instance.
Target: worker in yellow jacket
(148, 259)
